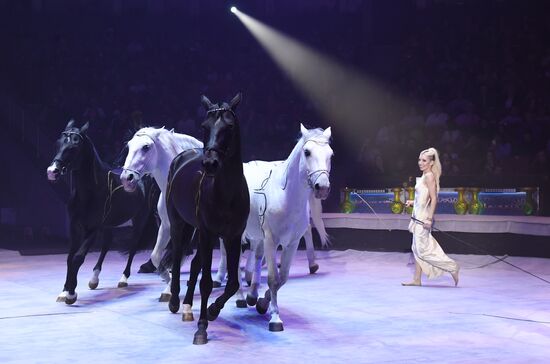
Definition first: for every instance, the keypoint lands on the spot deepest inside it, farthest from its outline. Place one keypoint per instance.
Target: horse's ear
(70, 124)
(206, 102)
(327, 132)
(235, 101)
(85, 127)
(303, 129)
(172, 130)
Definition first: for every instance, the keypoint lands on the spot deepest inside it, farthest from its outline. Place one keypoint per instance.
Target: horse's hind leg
(222, 267)
(94, 281)
(310, 251)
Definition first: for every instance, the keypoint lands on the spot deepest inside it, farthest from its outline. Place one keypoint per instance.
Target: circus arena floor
(354, 310)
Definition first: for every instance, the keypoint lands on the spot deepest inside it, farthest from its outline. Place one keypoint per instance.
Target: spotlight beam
(344, 96)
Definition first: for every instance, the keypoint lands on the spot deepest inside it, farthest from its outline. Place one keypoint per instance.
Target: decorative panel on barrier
(476, 201)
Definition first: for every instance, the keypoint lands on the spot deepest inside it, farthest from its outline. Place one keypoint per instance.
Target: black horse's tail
(167, 258)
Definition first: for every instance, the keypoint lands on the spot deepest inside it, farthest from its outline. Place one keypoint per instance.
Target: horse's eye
(146, 147)
(75, 139)
(307, 152)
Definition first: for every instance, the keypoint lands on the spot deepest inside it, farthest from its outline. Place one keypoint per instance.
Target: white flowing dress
(427, 252)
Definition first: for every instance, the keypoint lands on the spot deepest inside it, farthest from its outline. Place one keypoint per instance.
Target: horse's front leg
(205, 250)
(287, 256)
(74, 265)
(273, 281)
(163, 238)
(94, 281)
(222, 266)
(233, 248)
(179, 230)
(310, 250)
(142, 223)
(76, 236)
(256, 254)
(195, 269)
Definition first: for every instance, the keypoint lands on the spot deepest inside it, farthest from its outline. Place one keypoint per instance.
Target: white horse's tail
(316, 209)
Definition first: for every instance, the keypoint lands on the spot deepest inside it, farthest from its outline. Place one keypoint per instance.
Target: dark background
(475, 76)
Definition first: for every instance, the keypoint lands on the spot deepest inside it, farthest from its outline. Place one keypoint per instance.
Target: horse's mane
(169, 138)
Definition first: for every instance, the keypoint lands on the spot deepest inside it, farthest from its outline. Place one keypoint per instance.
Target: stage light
(233, 9)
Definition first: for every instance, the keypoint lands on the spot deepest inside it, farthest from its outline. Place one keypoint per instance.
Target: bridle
(61, 163)
(312, 177)
(220, 110)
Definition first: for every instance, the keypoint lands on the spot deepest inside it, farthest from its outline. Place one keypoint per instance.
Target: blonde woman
(429, 257)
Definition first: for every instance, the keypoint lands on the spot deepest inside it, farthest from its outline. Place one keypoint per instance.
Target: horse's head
(316, 156)
(221, 133)
(69, 151)
(142, 157)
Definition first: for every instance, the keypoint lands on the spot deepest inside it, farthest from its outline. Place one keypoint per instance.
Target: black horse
(97, 200)
(207, 191)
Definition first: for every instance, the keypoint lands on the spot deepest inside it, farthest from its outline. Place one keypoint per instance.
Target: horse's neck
(92, 172)
(230, 177)
(170, 147)
(292, 177)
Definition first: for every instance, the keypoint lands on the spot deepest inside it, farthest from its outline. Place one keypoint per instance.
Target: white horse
(279, 212)
(150, 151)
(262, 169)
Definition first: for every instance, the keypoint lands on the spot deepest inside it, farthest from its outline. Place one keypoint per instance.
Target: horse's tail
(316, 209)
(146, 240)
(168, 258)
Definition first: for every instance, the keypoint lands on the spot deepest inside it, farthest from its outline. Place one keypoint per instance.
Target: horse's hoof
(313, 268)
(213, 312)
(261, 305)
(70, 300)
(164, 297)
(93, 285)
(216, 284)
(251, 300)
(241, 304)
(201, 338)
(187, 316)
(62, 297)
(174, 306)
(122, 284)
(276, 326)
(147, 267)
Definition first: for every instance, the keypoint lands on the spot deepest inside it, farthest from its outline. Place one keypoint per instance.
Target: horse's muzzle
(211, 162)
(128, 180)
(53, 172)
(321, 192)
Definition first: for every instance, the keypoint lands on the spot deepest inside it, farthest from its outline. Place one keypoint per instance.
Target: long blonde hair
(436, 167)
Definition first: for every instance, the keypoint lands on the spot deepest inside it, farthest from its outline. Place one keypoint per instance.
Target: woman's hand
(409, 203)
(428, 224)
